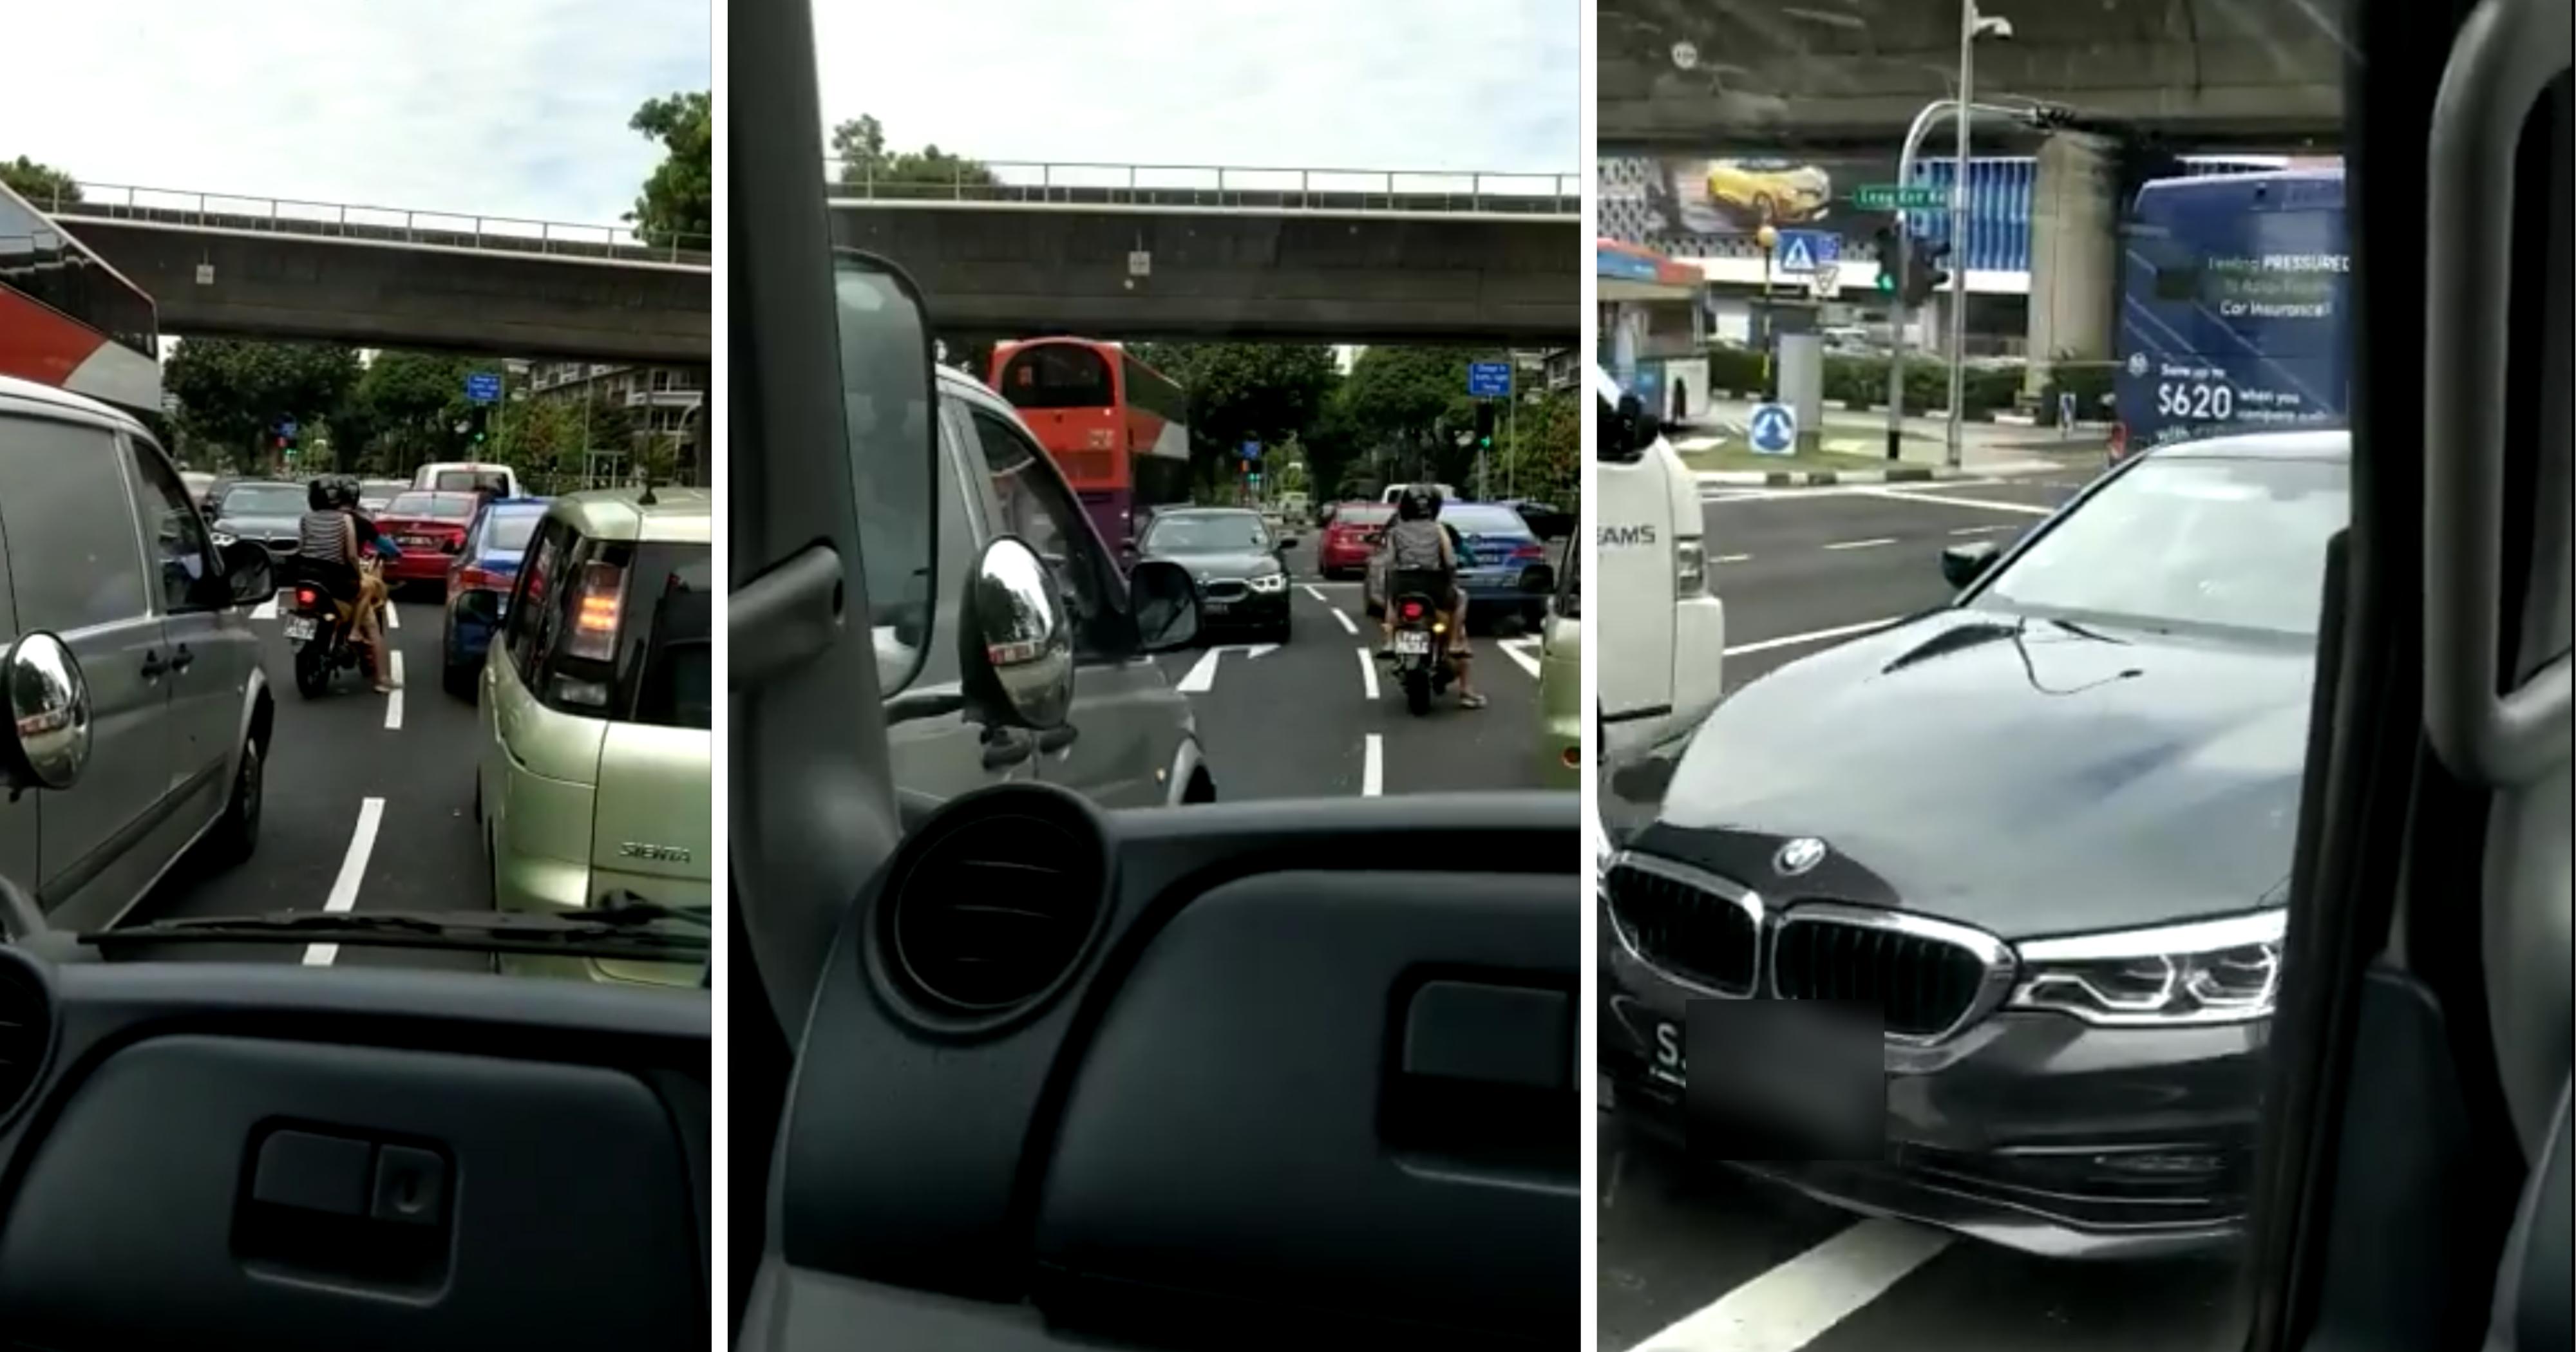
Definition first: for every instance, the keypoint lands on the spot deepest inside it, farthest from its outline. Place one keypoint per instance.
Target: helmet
(1417, 503)
(317, 495)
(343, 489)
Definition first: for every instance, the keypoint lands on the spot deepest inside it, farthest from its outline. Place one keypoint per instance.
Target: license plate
(1217, 607)
(1665, 1062)
(413, 541)
(1412, 641)
(298, 628)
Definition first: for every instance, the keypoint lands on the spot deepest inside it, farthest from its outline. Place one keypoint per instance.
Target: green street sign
(1898, 197)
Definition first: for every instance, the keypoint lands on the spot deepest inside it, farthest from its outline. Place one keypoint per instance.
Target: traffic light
(1924, 273)
(1889, 251)
(1484, 426)
(477, 420)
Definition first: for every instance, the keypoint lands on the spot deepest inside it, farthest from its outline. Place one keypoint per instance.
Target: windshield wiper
(625, 930)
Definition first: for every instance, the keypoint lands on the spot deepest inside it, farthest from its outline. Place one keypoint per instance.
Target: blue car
(1503, 565)
(479, 582)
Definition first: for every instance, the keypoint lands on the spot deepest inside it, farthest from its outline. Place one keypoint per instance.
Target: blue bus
(2235, 307)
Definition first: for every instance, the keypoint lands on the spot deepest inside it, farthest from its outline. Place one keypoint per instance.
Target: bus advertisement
(2235, 307)
(1114, 426)
(69, 320)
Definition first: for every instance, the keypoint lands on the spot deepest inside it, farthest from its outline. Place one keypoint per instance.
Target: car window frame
(147, 588)
(518, 635)
(208, 589)
(1106, 635)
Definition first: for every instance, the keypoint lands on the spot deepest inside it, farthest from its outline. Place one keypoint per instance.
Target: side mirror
(890, 416)
(248, 572)
(1963, 564)
(1629, 433)
(47, 746)
(1166, 603)
(1015, 640)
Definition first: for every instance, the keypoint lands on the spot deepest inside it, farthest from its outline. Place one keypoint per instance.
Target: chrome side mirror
(1016, 644)
(48, 742)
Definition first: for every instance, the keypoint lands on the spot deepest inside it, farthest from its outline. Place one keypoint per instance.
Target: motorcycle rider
(329, 540)
(1416, 542)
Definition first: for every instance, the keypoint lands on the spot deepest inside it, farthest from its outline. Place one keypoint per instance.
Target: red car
(429, 529)
(1350, 537)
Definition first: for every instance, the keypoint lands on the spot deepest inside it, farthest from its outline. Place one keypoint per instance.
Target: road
(321, 844)
(1318, 717)
(1802, 569)
(1698, 1258)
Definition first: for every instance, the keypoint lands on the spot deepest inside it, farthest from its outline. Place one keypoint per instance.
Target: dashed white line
(265, 610)
(1345, 617)
(1863, 544)
(393, 616)
(1372, 766)
(1979, 530)
(1368, 672)
(1734, 558)
(353, 873)
(1794, 1304)
(1520, 651)
(393, 701)
(1314, 591)
(1990, 504)
(1816, 636)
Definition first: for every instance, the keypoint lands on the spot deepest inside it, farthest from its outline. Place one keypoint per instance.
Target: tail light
(2119, 441)
(465, 580)
(594, 612)
(307, 598)
(1532, 550)
(1413, 610)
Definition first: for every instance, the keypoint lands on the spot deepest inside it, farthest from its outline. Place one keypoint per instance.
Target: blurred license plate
(1666, 1061)
(1412, 641)
(414, 541)
(298, 628)
(1217, 607)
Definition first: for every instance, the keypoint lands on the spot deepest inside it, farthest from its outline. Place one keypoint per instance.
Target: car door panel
(212, 647)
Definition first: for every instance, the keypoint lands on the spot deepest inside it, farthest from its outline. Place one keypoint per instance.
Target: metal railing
(400, 225)
(1235, 186)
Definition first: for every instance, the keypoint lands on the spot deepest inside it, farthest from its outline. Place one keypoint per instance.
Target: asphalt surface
(1311, 717)
(1698, 1257)
(413, 753)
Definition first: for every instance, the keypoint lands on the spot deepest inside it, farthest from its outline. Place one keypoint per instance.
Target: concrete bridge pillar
(2074, 256)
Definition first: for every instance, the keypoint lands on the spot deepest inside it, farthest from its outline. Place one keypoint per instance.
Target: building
(666, 402)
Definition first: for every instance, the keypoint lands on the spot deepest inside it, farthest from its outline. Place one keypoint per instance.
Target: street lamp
(1972, 25)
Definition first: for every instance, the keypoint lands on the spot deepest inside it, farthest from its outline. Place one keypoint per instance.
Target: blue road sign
(286, 427)
(483, 387)
(1773, 430)
(1252, 450)
(1489, 379)
(1802, 251)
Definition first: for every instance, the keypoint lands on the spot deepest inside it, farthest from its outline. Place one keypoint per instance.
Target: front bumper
(418, 566)
(1229, 606)
(2035, 1131)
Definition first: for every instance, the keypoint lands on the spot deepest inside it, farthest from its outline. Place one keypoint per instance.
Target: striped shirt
(321, 536)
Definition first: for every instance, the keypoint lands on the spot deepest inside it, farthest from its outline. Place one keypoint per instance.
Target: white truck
(1660, 629)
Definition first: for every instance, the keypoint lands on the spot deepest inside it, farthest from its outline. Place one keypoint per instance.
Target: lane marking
(1817, 636)
(1979, 530)
(1345, 617)
(393, 701)
(1520, 650)
(1368, 672)
(1201, 677)
(1734, 558)
(1990, 504)
(1794, 1304)
(1314, 591)
(353, 871)
(1372, 766)
(393, 616)
(265, 610)
(1724, 493)
(1863, 544)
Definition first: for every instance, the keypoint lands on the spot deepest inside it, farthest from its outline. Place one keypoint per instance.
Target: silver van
(110, 580)
(1130, 740)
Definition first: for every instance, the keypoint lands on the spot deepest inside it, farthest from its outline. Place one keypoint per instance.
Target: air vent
(994, 910)
(26, 1033)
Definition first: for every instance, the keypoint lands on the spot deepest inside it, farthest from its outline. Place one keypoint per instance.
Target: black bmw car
(2046, 831)
(1231, 554)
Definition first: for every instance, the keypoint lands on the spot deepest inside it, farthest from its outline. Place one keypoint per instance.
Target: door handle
(153, 666)
(1006, 746)
(183, 659)
(1053, 740)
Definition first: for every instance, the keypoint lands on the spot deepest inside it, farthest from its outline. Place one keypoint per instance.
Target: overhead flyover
(266, 268)
(1743, 75)
(1290, 255)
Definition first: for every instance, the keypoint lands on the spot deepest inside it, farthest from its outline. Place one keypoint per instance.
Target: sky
(511, 108)
(1433, 85)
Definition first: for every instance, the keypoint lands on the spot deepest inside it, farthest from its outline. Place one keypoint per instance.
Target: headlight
(224, 538)
(2213, 971)
(1690, 569)
(1272, 582)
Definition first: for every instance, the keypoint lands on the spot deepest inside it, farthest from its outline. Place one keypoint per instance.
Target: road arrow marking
(1202, 674)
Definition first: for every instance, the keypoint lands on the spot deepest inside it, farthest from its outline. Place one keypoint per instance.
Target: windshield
(432, 506)
(1481, 519)
(1196, 534)
(461, 750)
(2187, 544)
(262, 500)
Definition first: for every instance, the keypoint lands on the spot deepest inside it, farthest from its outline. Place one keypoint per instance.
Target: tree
(42, 185)
(1407, 406)
(1238, 392)
(860, 146)
(679, 201)
(232, 393)
(1544, 450)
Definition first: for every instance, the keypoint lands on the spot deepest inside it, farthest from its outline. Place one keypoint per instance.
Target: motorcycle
(322, 630)
(1424, 665)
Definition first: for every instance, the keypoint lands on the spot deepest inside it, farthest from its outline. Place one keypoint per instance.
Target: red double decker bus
(69, 320)
(1115, 427)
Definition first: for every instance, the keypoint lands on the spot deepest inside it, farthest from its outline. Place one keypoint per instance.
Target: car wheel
(236, 833)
